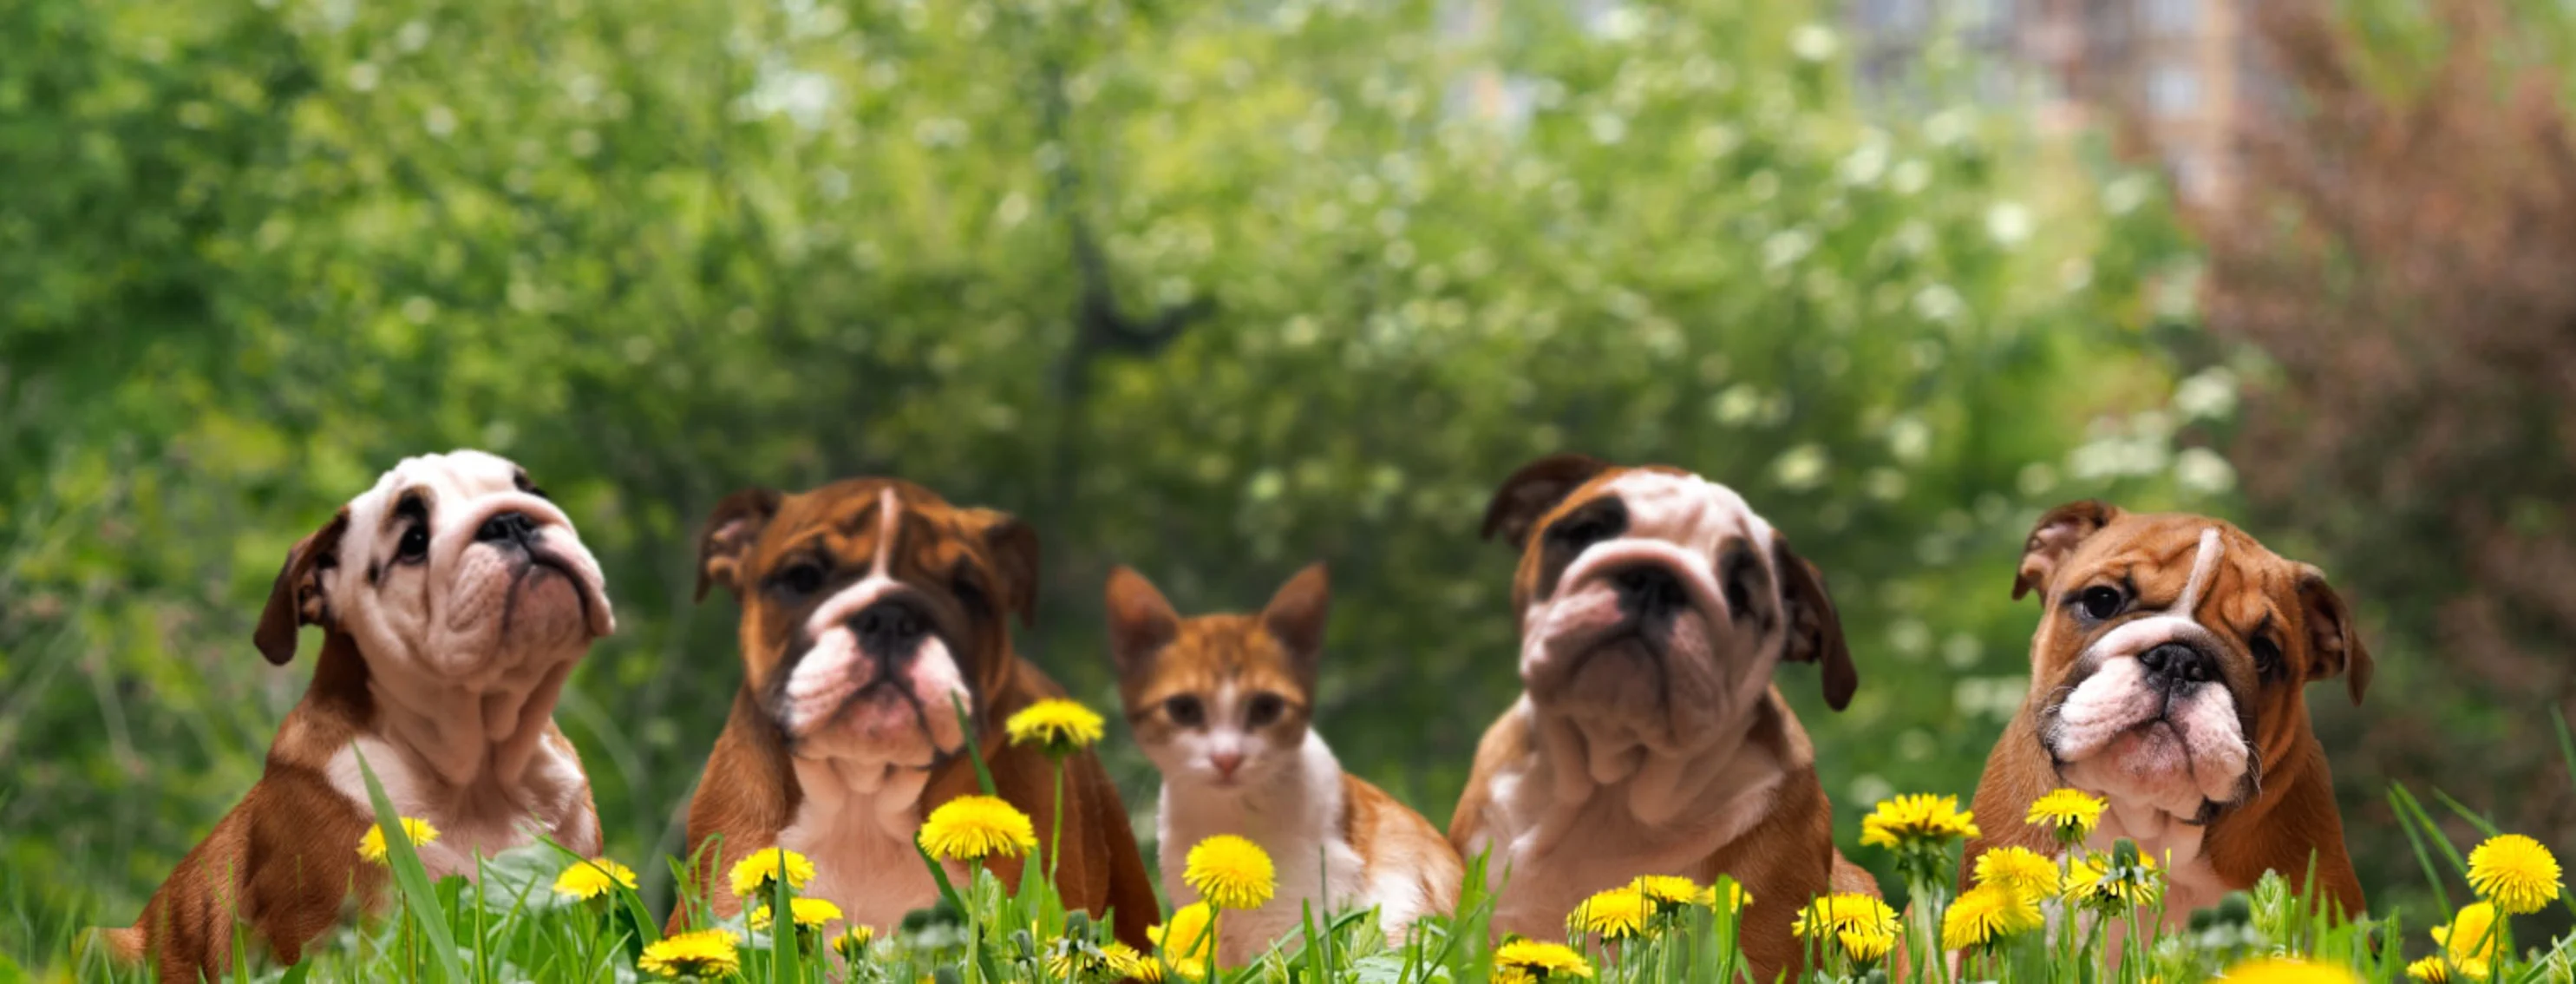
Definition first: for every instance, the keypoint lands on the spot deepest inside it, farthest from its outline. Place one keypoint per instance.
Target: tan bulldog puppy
(868, 606)
(454, 600)
(1649, 740)
(2169, 677)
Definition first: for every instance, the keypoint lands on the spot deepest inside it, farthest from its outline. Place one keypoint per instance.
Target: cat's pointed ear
(1141, 621)
(1295, 617)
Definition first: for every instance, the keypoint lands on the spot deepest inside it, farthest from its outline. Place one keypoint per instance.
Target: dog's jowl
(453, 599)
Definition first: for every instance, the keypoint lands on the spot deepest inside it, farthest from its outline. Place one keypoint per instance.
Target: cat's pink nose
(1226, 763)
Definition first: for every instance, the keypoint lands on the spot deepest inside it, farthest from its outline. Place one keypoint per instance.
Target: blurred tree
(1212, 289)
(2400, 253)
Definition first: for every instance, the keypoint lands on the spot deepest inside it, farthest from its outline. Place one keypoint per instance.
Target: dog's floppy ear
(1815, 631)
(1533, 490)
(296, 600)
(1013, 545)
(731, 530)
(1141, 620)
(2055, 535)
(1295, 617)
(2331, 634)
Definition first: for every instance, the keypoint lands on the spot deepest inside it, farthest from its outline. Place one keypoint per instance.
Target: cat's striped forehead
(1211, 651)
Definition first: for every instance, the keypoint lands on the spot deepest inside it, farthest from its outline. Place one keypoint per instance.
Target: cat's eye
(1185, 711)
(414, 547)
(1264, 710)
(2267, 655)
(2100, 602)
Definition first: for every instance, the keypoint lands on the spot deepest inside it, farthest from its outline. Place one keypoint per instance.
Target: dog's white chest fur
(1296, 818)
(1555, 854)
(548, 799)
(856, 825)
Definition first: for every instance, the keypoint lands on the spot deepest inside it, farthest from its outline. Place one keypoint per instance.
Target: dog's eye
(2267, 655)
(969, 593)
(2100, 602)
(414, 547)
(1580, 531)
(799, 579)
(1264, 710)
(1185, 711)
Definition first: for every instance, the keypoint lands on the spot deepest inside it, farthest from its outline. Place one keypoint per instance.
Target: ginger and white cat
(1221, 704)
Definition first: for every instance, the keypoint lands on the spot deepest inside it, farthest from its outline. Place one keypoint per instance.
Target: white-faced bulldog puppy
(871, 610)
(1649, 740)
(2169, 677)
(454, 599)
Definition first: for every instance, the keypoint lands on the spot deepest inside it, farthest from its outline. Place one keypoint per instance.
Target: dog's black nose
(2179, 663)
(514, 526)
(890, 629)
(1649, 591)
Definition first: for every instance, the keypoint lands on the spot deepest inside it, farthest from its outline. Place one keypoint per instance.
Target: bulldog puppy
(454, 600)
(1649, 739)
(869, 606)
(2169, 677)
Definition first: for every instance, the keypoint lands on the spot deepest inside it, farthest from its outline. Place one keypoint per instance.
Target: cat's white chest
(1296, 819)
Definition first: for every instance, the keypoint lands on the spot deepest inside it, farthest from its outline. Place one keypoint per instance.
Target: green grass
(510, 925)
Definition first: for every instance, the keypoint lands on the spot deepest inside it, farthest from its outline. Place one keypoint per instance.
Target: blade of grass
(2419, 828)
(420, 901)
(966, 727)
(2474, 820)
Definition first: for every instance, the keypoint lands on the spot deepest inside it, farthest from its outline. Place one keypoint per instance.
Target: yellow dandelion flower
(704, 953)
(2515, 873)
(853, 942)
(1124, 961)
(1520, 961)
(1670, 892)
(2288, 970)
(1232, 872)
(1189, 935)
(1060, 727)
(1915, 818)
(1864, 926)
(1987, 913)
(1737, 899)
(751, 873)
(2072, 813)
(1866, 945)
(593, 878)
(1181, 968)
(970, 828)
(371, 846)
(809, 913)
(2472, 934)
(1077, 961)
(1616, 914)
(2431, 970)
(2093, 878)
(2019, 870)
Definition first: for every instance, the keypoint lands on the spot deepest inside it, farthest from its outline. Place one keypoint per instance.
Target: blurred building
(2173, 78)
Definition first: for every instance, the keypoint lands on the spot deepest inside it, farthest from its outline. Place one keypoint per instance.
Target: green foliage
(1210, 289)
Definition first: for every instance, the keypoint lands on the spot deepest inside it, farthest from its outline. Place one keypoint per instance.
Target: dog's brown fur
(750, 793)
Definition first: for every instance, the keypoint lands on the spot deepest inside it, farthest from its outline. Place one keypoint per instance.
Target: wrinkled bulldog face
(454, 567)
(2171, 662)
(1655, 602)
(871, 610)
